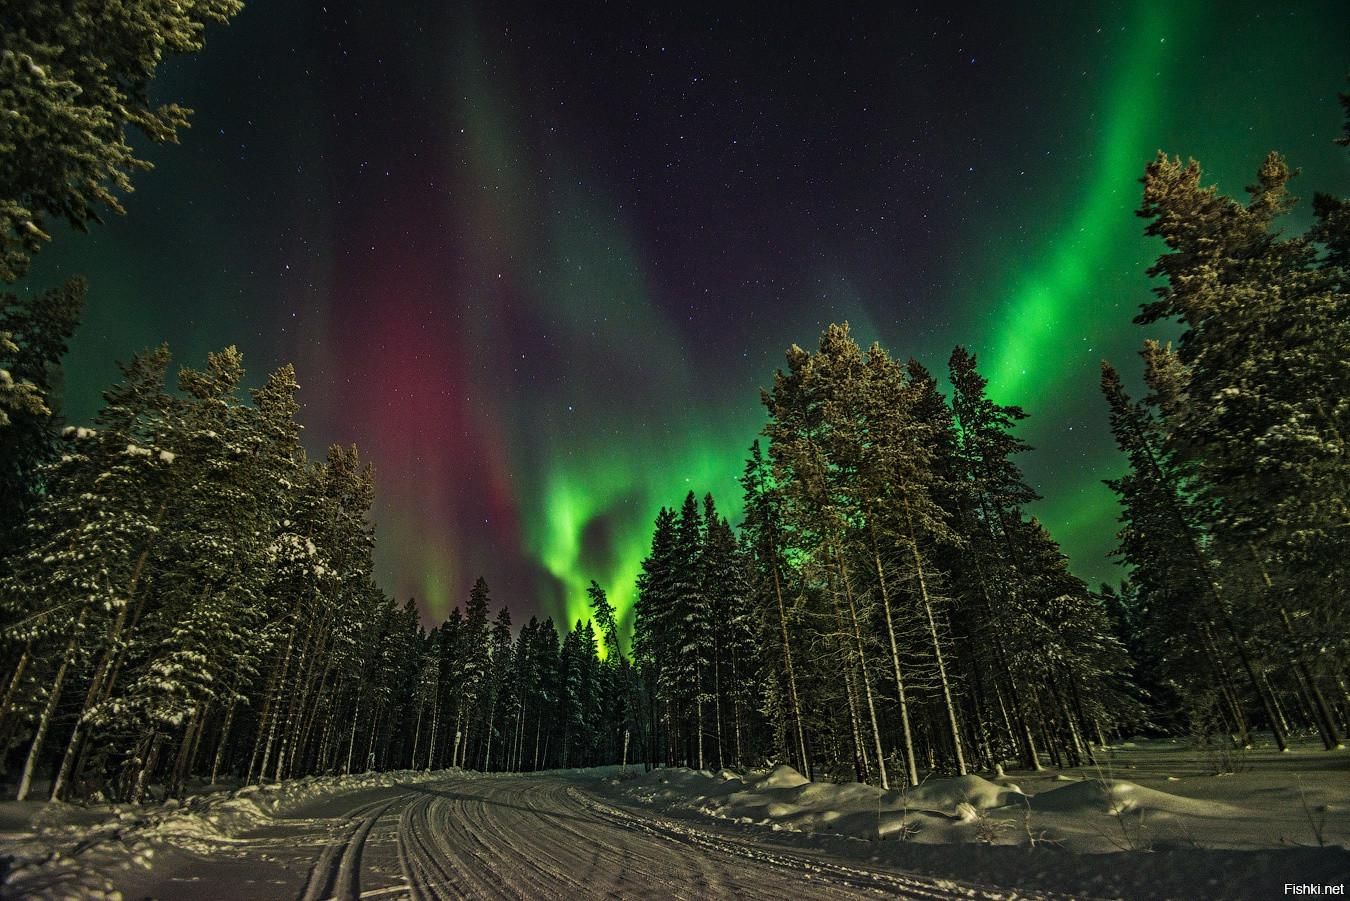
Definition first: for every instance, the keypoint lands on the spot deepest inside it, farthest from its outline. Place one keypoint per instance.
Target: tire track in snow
(540, 837)
(336, 874)
(894, 884)
(629, 869)
(428, 878)
(566, 843)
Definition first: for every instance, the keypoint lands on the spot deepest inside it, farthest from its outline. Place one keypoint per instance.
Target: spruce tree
(692, 628)
(499, 687)
(655, 634)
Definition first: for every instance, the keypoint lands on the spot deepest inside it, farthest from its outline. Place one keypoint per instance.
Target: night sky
(538, 260)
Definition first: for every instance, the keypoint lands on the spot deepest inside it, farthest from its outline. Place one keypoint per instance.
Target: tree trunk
(224, 738)
(1275, 699)
(795, 710)
(374, 736)
(351, 742)
(538, 727)
(267, 724)
(698, 724)
(487, 753)
(862, 662)
(435, 726)
(1207, 576)
(736, 704)
(937, 645)
(514, 763)
(906, 732)
(1326, 723)
(1022, 736)
(717, 698)
(860, 763)
(1225, 684)
(147, 766)
(309, 700)
(12, 689)
(45, 720)
(290, 726)
(108, 664)
(185, 748)
(417, 735)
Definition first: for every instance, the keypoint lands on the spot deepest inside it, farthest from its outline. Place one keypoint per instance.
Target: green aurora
(540, 274)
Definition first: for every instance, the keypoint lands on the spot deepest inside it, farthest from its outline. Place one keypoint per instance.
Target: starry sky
(537, 260)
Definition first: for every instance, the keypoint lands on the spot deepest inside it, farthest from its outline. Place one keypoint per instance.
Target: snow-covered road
(675, 833)
(545, 837)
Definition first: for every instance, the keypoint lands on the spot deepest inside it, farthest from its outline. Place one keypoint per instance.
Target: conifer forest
(188, 595)
(192, 596)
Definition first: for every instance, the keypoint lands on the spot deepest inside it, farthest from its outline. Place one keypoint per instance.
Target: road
(547, 837)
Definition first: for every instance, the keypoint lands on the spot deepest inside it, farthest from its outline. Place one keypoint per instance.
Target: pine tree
(735, 645)
(17, 398)
(896, 477)
(34, 333)
(1181, 606)
(572, 692)
(1257, 403)
(75, 76)
(202, 585)
(91, 537)
(816, 445)
(764, 533)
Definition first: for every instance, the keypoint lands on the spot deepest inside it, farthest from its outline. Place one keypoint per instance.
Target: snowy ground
(1154, 821)
(250, 839)
(442, 835)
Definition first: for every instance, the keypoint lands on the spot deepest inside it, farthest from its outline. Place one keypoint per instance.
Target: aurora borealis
(537, 261)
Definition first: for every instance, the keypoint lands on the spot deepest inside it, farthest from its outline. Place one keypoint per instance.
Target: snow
(1117, 797)
(782, 776)
(1153, 819)
(68, 851)
(1267, 807)
(1156, 818)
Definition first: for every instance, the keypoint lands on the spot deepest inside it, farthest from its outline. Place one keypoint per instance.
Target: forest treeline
(186, 597)
(894, 609)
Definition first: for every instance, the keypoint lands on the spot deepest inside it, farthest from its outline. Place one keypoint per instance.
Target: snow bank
(1075, 811)
(66, 848)
(783, 799)
(946, 795)
(866, 811)
(1116, 797)
(782, 776)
